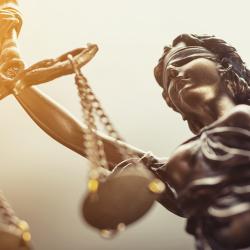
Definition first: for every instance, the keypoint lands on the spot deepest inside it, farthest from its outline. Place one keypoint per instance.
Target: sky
(46, 182)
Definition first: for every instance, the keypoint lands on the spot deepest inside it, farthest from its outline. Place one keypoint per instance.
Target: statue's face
(192, 85)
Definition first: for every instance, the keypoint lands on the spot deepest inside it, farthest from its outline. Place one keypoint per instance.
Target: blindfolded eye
(181, 62)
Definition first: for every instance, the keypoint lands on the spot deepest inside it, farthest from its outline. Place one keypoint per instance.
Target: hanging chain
(10, 219)
(93, 144)
(105, 121)
(91, 106)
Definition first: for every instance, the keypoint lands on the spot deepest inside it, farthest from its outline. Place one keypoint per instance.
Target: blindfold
(187, 54)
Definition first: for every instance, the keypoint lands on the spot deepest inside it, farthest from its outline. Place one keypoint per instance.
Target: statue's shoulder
(239, 116)
(241, 110)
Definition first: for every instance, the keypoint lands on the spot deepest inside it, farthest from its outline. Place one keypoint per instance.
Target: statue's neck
(223, 105)
(212, 111)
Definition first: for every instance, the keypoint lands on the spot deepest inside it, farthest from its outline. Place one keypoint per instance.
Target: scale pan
(121, 198)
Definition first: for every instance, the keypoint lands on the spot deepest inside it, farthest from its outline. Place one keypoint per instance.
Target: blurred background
(44, 181)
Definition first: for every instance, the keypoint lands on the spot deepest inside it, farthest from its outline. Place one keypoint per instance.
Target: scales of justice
(116, 196)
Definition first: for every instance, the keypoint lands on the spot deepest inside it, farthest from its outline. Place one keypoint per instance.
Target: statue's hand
(48, 70)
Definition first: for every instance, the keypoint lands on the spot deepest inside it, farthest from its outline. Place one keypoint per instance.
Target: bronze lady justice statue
(205, 80)
(207, 177)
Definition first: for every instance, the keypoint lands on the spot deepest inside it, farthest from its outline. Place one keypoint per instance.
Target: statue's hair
(234, 74)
